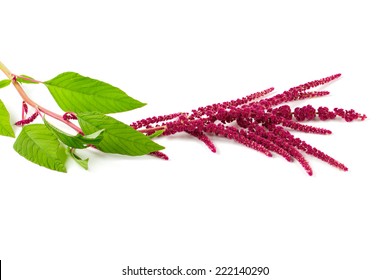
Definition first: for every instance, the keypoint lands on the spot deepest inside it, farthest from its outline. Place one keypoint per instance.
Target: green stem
(152, 129)
(32, 103)
(5, 70)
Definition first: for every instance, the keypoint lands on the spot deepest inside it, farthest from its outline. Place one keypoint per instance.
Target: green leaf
(157, 133)
(79, 141)
(5, 125)
(29, 79)
(4, 83)
(82, 162)
(39, 145)
(76, 93)
(119, 138)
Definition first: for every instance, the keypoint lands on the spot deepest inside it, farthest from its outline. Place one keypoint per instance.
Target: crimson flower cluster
(26, 120)
(308, 113)
(263, 124)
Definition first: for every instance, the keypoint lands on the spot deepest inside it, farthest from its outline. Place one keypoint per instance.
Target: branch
(30, 102)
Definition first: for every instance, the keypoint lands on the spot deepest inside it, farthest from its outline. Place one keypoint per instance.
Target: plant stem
(27, 79)
(152, 129)
(30, 102)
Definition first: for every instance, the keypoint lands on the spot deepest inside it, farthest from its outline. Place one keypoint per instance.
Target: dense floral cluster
(28, 120)
(308, 113)
(259, 124)
(263, 124)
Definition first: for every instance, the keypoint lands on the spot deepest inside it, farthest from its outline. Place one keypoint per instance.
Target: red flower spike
(149, 121)
(234, 134)
(212, 109)
(294, 93)
(302, 145)
(303, 128)
(305, 113)
(203, 137)
(285, 145)
(282, 111)
(312, 94)
(183, 124)
(261, 135)
(25, 107)
(299, 114)
(324, 114)
(316, 83)
(349, 115)
(263, 125)
(301, 159)
(159, 155)
(248, 98)
(262, 139)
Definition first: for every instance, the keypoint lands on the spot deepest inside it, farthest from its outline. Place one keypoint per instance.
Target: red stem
(152, 129)
(30, 102)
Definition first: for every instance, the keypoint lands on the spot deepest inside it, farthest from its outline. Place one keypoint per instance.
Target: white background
(201, 210)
